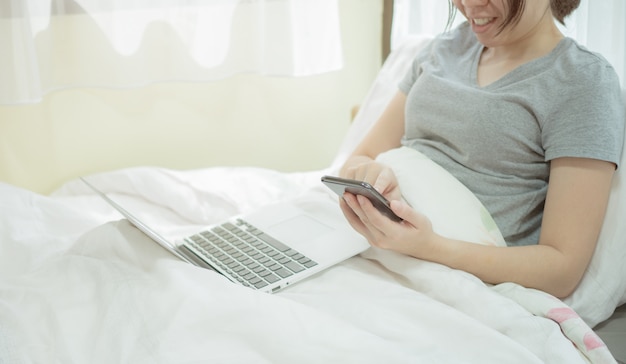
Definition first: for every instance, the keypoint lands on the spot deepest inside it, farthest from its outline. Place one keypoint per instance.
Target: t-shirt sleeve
(587, 120)
(416, 68)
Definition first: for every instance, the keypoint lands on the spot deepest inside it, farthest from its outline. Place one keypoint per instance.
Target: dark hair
(563, 8)
(560, 10)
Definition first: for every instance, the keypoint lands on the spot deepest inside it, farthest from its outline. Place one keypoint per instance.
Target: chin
(487, 42)
(490, 40)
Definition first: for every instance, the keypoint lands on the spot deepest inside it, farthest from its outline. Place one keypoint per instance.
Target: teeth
(482, 21)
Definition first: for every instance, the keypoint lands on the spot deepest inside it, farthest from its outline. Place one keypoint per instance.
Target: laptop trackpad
(302, 226)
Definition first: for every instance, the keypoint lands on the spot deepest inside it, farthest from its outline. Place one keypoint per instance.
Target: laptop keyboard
(247, 254)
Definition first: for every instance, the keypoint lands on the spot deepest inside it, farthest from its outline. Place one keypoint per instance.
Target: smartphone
(341, 185)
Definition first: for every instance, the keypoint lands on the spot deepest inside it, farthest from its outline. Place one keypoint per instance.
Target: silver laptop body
(267, 250)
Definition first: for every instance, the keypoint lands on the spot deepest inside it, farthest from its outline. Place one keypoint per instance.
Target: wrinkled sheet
(78, 284)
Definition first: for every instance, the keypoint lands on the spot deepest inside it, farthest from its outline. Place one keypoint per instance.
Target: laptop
(267, 250)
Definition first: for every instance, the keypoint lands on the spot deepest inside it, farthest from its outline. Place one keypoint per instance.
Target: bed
(80, 284)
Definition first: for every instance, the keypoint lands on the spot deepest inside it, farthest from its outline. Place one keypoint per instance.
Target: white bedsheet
(77, 285)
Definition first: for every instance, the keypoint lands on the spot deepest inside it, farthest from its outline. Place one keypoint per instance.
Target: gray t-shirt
(498, 140)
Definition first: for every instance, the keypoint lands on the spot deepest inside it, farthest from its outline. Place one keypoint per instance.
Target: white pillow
(603, 286)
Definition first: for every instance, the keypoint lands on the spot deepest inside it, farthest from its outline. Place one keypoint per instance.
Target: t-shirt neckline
(511, 76)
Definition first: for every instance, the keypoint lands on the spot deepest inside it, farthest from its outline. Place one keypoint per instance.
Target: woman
(528, 120)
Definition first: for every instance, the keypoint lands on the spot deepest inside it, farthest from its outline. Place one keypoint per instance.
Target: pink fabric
(562, 314)
(592, 341)
(571, 323)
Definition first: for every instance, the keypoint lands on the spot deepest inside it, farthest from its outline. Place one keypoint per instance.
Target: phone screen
(341, 185)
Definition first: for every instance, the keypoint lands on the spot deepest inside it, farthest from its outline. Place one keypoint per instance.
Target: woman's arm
(576, 202)
(384, 135)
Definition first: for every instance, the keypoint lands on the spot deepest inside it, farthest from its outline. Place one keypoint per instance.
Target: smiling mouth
(482, 21)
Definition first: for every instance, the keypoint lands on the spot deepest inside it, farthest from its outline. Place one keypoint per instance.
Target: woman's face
(487, 16)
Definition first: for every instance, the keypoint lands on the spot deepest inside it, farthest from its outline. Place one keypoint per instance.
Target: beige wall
(288, 124)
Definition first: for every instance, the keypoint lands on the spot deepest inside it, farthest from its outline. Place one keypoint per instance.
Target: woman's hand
(414, 236)
(376, 174)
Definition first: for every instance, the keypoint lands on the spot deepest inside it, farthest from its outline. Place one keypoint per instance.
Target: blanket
(80, 285)
(457, 214)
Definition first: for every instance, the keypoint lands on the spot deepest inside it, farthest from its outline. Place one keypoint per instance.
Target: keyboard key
(261, 271)
(273, 242)
(274, 266)
(283, 272)
(290, 252)
(271, 278)
(295, 267)
(260, 284)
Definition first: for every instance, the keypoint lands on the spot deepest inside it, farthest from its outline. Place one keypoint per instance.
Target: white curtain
(47, 45)
(600, 25)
